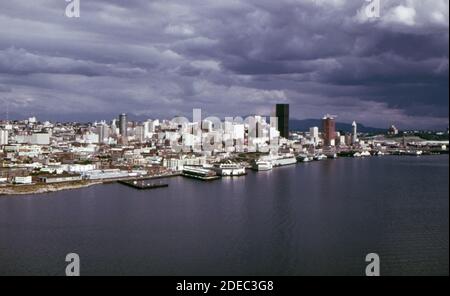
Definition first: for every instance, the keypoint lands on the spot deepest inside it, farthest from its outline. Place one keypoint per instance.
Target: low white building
(23, 180)
(60, 179)
(80, 168)
(177, 164)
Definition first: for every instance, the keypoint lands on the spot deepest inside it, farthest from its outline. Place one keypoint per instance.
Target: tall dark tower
(123, 125)
(329, 130)
(282, 114)
(123, 128)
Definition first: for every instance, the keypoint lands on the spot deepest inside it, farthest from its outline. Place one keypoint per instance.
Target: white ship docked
(414, 153)
(362, 154)
(262, 165)
(320, 157)
(229, 169)
(331, 155)
(304, 158)
(282, 160)
(365, 154)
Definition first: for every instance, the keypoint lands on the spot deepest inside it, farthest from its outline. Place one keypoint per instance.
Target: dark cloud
(234, 57)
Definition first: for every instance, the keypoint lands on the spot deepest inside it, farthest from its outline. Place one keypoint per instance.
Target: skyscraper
(314, 134)
(123, 125)
(329, 130)
(103, 133)
(354, 132)
(282, 113)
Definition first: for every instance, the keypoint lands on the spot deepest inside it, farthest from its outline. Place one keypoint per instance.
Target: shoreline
(11, 191)
(38, 189)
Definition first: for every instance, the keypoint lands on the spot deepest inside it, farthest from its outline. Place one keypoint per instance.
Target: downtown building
(282, 113)
(329, 130)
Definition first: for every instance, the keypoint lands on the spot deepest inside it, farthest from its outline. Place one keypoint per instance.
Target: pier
(142, 185)
(200, 174)
(203, 178)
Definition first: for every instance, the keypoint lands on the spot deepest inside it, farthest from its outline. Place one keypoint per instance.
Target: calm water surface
(318, 218)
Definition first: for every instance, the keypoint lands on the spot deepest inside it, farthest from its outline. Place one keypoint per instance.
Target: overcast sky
(158, 59)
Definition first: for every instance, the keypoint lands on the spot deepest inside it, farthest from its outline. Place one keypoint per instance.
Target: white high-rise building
(354, 132)
(103, 133)
(314, 134)
(342, 140)
(114, 128)
(149, 129)
(139, 132)
(197, 116)
(3, 137)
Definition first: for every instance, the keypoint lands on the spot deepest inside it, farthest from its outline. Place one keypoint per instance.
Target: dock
(142, 185)
(200, 173)
(202, 178)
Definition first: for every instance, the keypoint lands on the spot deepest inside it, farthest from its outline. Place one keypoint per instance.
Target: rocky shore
(11, 190)
(43, 188)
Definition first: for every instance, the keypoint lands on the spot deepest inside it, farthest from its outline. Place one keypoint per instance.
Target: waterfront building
(23, 180)
(60, 179)
(282, 113)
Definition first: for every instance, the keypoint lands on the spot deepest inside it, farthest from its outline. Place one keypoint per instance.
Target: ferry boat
(142, 184)
(332, 155)
(282, 160)
(365, 153)
(199, 173)
(229, 169)
(304, 158)
(262, 165)
(320, 157)
(414, 153)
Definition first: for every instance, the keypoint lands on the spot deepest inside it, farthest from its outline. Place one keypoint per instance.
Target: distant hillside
(304, 125)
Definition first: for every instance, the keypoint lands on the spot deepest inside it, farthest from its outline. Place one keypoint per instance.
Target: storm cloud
(157, 59)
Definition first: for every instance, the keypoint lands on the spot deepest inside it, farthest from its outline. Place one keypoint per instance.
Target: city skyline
(293, 123)
(155, 60)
